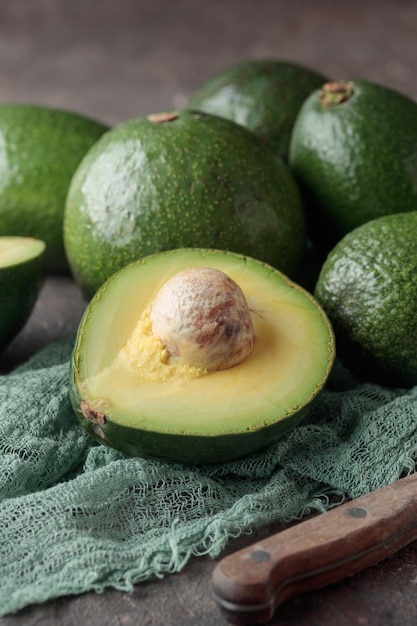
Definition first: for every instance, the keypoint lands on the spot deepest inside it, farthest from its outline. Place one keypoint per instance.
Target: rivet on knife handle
(249, 584)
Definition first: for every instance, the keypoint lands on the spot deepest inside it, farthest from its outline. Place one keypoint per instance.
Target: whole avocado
(368, 288)
(263, 95)
(40, 148)
(353, 152)
(177, 180)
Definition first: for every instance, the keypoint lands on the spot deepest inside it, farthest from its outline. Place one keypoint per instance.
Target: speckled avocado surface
(178, 180)
(368, 288)
(263, 95)
(40, 148)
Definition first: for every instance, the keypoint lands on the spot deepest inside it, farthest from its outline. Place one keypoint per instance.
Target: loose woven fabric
(76, 516)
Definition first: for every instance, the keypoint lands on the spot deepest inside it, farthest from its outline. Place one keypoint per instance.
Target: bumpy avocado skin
(40, 148)
(194, 181)
(356, 160)
(368, 288)
(263, 95)
(20, 285)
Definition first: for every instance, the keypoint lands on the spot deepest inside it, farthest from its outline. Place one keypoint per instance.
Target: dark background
(116, 59)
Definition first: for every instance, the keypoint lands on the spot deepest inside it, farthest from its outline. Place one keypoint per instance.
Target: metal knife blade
(249, 584)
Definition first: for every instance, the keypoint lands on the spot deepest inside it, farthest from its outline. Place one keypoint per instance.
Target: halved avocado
(128, 395)
(21, 277)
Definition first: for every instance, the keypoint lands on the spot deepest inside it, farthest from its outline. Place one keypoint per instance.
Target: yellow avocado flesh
(290, 360)
(145, 357)
(14, 250)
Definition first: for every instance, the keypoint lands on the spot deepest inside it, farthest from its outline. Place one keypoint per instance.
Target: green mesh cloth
(76, 516)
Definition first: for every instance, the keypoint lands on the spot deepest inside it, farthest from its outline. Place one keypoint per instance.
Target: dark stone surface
(114, 60)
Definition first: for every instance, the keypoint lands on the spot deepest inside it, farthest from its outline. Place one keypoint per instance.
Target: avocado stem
(160, 118)
(336, 92)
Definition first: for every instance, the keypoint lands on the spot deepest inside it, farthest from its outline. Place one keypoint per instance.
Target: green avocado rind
(205, 446)
(368, 288)
(262, 95)
(191, 449)
(355, 160)
(40, 148)
(194, 181)
(20, 284)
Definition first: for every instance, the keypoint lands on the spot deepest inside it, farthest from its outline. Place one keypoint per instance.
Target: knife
(251, 583)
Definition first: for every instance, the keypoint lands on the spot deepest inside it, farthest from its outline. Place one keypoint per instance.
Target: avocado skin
(368, 288)
(195, 181)
(262, 95)
(20, 285)
(355, 161)
(40, 148)
(189, 449)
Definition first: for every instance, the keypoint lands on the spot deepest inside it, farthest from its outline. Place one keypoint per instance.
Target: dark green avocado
(262, 95)
(368, 288)
(40, 148)
(132, 394)
(354, 154)
(175, 180)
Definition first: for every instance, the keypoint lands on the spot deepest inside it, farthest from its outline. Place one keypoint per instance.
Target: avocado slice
(130, 393)
(179, 180)
(21, 277)
(264, 95)
(40, 149)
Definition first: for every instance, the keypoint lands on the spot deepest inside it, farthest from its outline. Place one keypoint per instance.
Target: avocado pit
(92, 415)
(203, 319)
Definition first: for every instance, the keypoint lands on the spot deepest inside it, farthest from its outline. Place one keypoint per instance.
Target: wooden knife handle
(249, 584)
